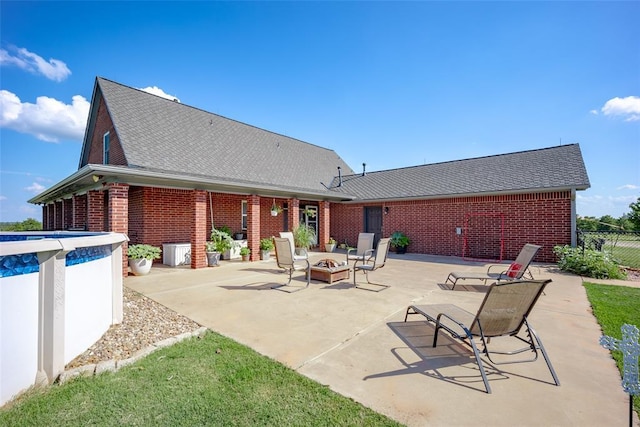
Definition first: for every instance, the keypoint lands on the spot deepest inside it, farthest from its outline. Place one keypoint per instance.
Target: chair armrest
(368, 254)
(498, 266)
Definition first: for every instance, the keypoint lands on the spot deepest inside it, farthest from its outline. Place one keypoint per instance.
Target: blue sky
(392, 84)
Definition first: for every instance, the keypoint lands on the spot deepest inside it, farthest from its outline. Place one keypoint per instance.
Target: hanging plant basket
(275, 209)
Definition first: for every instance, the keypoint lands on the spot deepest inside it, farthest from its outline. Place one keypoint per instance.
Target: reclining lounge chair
(516, 270)
(503, 313)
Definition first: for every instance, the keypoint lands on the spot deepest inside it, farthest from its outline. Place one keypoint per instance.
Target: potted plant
(266, 246)
(330, 246)
(275, 209)
(141, 258)
(245, 252)
(304, 237)
(220, 242)
(239, 235)
(400, 241)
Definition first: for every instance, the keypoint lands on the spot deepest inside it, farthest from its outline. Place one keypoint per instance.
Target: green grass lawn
(201, 381)
(614, 306)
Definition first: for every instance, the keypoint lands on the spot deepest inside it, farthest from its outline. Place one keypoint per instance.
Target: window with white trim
(244, 214)
(105, 148)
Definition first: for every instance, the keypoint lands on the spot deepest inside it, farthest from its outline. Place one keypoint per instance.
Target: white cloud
(3, 198)
(628, 187)
(594, 112)
(48, 119)
(54, 69)
(627, 108)
(155, 90)
(35, 188)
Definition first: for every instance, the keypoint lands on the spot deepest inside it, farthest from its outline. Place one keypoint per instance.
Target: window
(244, 214)
(105, 149)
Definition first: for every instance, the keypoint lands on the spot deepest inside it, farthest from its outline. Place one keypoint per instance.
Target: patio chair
(367, 266)
(289, 235)
(503, 313)
(515, 271)
(284, 259)
(364, 249)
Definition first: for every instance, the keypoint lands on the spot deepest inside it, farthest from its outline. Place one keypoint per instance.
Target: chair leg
(479, 362)
(366, 274)
(296, 289)
(535, 337)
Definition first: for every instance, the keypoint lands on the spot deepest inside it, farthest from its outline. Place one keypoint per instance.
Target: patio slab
(356, 342)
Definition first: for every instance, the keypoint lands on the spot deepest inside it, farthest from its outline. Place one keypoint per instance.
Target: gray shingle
(544, 169)
(158, 134)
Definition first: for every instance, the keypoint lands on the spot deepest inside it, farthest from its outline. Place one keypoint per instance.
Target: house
(164, 172)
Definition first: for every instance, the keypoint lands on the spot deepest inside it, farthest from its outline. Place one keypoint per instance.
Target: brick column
(198, 228)
(45, 218)
(118, 216)
(80, 211)
(95, 211)
(324, 223)
(253, 226)
(57, 206)
(294, 213)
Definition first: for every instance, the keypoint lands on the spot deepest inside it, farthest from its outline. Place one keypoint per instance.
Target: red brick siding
(103, 125)
(198, 228)
(80, 211)
(95, 211)
(540, 218)
(160, 215)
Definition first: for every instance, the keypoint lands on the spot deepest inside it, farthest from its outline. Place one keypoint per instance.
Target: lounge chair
(285, 260)
(503, 313)
(367, 266)
(515, 271)
(364, 249)
(289, 235)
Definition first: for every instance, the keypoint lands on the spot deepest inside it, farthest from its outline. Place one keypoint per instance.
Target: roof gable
(545, 169)
(161, 135)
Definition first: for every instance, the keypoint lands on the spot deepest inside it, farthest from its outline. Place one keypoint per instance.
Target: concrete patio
(356, 342)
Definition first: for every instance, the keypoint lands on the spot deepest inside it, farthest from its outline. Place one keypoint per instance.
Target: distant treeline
(29, 224)
(627, 222)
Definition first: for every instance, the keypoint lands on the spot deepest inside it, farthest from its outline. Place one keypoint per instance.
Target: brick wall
(539, 218)
(104, 124)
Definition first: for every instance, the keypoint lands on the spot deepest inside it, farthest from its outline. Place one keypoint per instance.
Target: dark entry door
(373, 222)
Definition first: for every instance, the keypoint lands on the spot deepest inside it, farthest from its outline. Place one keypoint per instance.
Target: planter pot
(330, 247)
(274, 213)
(265, 255)
(246, 257)
(140, 266)
(213, 259)
(239, 236)
(401, 249)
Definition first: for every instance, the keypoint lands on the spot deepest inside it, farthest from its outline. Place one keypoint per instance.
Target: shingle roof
(545, 169)
(158, 134)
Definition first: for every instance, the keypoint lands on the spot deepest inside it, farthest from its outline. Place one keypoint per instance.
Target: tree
(29, 224)
(634, 216)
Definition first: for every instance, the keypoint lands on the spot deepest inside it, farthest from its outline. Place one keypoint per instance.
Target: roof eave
(93, 177)
(488, 193)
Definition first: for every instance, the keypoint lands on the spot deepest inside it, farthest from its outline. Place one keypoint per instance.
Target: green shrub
(588, 262)
(148, 252)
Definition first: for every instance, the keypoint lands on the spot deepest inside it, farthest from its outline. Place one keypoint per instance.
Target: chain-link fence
(624, 246)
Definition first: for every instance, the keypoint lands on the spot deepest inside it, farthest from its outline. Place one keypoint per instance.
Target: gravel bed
(145, 322)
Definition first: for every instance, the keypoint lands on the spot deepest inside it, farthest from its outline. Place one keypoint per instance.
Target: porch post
(198, 228)
(118, 218)
(324, 223)
(253, 226)
(294, 215)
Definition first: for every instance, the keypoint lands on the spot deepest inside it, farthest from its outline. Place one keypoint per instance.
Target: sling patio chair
(289, 235)
(364, 249)
(285, 260)
(515, 271)
(503, 313)
(367, 266)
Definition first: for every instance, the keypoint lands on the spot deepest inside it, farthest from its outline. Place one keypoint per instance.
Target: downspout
(573, 218)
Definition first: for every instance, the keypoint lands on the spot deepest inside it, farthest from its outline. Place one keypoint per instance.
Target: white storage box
(174, 254)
